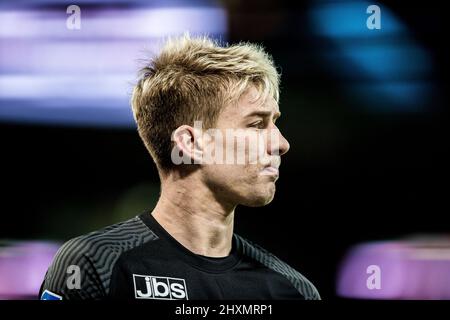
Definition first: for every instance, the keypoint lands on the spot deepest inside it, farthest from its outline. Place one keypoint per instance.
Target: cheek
(240, 177)
(248, 148)
(230, 174)
(245, 174)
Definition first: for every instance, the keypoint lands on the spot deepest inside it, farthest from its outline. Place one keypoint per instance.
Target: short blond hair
(192, 79)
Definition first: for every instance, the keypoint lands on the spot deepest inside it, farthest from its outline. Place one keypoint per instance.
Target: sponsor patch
(157, 287)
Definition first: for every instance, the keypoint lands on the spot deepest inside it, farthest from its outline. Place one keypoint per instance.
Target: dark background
(352, 174)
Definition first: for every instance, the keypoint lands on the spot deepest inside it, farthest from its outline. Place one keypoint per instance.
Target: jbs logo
(155, 287)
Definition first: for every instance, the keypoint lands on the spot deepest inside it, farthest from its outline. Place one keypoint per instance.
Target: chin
(260, 199)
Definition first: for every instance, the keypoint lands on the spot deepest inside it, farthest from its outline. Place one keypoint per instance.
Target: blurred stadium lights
(51, 74)
(411, 268)
(385, 67)
(22, 267)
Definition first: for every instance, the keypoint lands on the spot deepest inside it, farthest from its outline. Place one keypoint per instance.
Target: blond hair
(192, 79)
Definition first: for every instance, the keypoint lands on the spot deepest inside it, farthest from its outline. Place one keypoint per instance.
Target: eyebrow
(263, 114)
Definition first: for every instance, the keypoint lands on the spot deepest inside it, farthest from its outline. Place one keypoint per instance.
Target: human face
(250, 182)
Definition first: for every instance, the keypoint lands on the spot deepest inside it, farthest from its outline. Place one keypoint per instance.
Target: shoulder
(261, 255)
(82, 267)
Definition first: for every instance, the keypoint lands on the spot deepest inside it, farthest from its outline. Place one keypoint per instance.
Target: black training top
(139, 259)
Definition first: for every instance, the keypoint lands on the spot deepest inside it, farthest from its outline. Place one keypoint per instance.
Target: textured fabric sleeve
(72, 275)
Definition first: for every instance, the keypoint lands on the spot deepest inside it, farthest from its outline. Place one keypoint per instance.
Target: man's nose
(277, 143)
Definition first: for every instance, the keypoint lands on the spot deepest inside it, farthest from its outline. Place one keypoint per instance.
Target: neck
(197, 219)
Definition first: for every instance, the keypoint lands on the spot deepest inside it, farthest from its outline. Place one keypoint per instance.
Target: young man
(185, 247)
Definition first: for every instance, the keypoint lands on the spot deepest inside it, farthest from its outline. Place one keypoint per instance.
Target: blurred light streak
(414, 268)
(23, 265)
(51, 74)
(385, 68)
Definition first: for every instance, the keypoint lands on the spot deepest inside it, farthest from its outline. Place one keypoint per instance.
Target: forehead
(247, 105)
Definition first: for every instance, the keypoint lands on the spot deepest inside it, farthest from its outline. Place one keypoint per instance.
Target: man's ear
(188, 141)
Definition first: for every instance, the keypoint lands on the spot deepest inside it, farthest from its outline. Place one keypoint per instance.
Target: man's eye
(257, 124)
